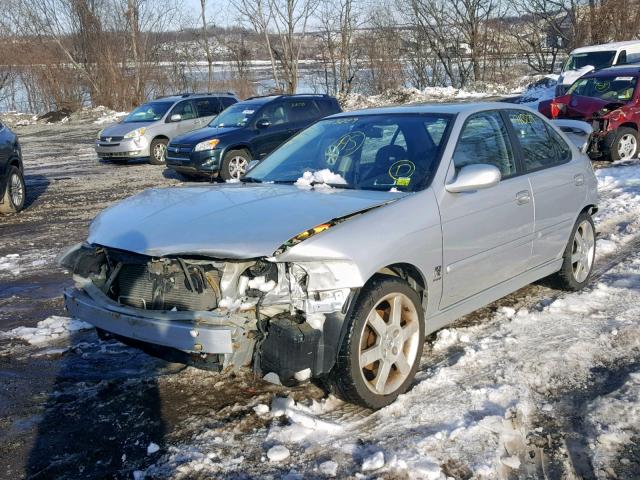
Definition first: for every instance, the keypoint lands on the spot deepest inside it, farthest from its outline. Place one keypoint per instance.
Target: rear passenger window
(227, 101)
(539, 148)
(207, 107)
(484, 140)
(301, 110)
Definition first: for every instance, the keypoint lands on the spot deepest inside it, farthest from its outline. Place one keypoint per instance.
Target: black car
(245, 131)
(12, 189)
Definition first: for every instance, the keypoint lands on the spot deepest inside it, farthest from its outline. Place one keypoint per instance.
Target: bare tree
(338, 20)
(283, 24)
(206, 44)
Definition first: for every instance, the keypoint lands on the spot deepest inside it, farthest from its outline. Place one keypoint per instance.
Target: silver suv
(335, 256)
(146, 131)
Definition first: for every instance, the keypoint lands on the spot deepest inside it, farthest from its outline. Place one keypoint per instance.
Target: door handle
(523, 197)
(578, 179)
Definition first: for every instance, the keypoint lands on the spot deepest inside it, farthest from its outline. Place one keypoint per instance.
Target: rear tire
(234, 164)
(15, 192)
(158, 151)
(578, 257)
(624, 145)
(381, 350)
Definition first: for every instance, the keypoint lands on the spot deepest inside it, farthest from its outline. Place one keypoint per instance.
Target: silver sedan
(335, 256)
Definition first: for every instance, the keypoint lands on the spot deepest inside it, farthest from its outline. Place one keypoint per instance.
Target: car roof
(605, 47)
(445, 108)
(184, 96)
(628, 70)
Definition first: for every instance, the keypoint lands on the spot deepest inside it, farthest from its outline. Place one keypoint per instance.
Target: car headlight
(206, 145)
(99, 134)
(137, 133)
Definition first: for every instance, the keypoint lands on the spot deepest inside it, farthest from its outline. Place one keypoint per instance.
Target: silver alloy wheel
(160, 152)
(237, 166)
(582, 251)
(389, 344)
(627, 146)
(16, 190)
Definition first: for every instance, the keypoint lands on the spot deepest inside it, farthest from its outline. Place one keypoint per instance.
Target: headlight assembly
(137, 133)
(206, 145)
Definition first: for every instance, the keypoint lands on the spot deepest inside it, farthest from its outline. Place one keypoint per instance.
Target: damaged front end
(604, 123)
(273, 316)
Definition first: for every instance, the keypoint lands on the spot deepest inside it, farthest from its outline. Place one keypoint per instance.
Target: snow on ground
(613, 422)
(14, 264)
(108, 116)
(47, 330)
(482, 404)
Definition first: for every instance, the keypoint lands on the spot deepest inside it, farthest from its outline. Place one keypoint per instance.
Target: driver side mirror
(176, 117)
(474, 177)
(263, 123)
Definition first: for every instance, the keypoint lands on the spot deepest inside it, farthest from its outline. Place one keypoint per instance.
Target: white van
(585, 59)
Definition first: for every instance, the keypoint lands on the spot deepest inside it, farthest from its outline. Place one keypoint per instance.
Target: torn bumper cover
(190, 332)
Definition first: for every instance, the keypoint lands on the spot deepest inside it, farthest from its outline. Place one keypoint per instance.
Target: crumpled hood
(202, 134)
(121, 129)
(224, 221)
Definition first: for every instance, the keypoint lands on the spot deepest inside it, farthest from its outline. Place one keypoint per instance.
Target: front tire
(381, 350)
(235, 164)
(14, 194)
(158, 151)
(578, 257)
(624, 145)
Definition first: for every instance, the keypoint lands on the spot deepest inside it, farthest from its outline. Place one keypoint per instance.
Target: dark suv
(245, 131)
(12, 189)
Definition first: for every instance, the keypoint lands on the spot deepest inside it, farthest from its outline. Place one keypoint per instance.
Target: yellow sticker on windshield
(403, 181)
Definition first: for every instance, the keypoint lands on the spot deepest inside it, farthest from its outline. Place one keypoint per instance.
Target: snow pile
(107, 115)
(541, 89)
(320, 179)
(47, 330)
(401, 96)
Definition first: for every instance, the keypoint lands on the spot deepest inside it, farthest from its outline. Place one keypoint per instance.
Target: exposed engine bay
(281, 316)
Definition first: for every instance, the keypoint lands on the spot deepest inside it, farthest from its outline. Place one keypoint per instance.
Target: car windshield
(618, 89)
(597, 60)
(148, 112)
(237, 115)
(370, 152)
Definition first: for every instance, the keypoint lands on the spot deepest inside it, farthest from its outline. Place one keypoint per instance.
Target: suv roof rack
(278, 95)
(190, 94)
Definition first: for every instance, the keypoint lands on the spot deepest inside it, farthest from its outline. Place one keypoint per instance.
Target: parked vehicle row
(146, 131)
(336, 255)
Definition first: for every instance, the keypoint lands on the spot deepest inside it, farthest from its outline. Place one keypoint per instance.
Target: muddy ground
(81, 408)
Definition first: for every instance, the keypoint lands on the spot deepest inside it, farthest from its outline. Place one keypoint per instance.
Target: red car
(610, 100)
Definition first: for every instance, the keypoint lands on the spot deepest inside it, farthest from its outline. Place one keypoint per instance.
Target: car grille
(179, 151)
(137, 287)
(111, 139)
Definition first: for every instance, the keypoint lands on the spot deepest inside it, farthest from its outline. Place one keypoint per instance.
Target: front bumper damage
(292, 326)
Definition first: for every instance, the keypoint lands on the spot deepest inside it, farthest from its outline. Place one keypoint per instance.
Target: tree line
(64, 54)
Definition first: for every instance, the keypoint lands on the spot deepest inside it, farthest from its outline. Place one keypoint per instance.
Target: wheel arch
(160, 136)
(237, 146)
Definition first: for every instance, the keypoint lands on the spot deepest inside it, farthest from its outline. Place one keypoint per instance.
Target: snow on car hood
(570, 76)
(224, 221)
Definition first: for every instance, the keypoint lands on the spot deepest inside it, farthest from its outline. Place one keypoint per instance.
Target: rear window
(207, 107)
(301, 110)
